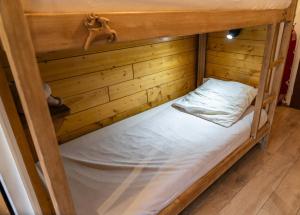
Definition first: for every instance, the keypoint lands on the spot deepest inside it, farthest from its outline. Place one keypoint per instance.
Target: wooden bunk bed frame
(24, 35)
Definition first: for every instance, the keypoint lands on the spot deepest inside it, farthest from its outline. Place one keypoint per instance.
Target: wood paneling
(149, 81)
(73, 66)
(105, 86)
(239, 59)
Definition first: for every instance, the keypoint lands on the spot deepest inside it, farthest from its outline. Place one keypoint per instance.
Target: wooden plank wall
(111, 83)
(239, 59)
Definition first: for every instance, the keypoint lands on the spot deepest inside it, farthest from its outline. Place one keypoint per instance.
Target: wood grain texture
(52, 32)
(17, 42)
(239, 59)
(83, 64)
(106, 85)
(138, 84)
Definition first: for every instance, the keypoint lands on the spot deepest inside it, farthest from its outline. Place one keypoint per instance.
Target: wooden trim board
(51, 32)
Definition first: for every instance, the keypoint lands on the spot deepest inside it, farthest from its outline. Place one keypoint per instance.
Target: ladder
(275, 53)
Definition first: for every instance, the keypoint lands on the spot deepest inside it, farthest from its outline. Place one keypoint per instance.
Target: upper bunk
(68, 24)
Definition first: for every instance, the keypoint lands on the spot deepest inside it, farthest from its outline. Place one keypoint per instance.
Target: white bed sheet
(139, 165)
(71, 6)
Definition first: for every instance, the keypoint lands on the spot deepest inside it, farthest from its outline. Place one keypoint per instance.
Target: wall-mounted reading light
(233, 33)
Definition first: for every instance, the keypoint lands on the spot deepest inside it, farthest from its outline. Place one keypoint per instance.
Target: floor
(3, 208)
(263, 182)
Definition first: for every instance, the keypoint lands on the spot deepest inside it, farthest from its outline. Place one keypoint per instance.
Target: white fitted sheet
(66, 6)
(139, 165)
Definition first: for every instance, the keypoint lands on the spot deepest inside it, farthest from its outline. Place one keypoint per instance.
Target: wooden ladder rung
(276, 62)
(268, 100)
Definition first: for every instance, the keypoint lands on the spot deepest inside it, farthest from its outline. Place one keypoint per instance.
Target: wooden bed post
(10, 108)
(17, 43)
(201, 61)
(270, 40)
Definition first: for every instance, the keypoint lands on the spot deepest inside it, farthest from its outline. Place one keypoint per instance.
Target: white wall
(296, 58)
(13, 171)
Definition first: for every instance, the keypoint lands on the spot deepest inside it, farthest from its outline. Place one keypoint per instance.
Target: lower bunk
(153, 163)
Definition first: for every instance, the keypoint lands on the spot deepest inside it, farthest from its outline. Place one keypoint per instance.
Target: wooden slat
(230, 60)
(74, 66)
(163, 63)
(268, 100)
(235, 56)
(98, 113)
(80, 84)
(244, 75)
(276, 63)
(67, 53)
(248, 47)
(102, 123)
(271, 35)
(129, 87)
(87, 100)
(15, 123)
(16, 39)
(201, 62)
(52, 32)
(166, 92)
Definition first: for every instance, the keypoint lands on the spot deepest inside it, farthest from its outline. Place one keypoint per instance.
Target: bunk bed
(48, 26)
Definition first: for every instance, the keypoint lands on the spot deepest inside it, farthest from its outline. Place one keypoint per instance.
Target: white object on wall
(13, 172)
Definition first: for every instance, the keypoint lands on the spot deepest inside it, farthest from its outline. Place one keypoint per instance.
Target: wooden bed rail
(52, 32)
(16, 39)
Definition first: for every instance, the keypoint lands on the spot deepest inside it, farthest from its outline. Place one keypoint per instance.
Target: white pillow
(221, 102)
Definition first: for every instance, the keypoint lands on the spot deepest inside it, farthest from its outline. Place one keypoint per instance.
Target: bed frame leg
(263, 143)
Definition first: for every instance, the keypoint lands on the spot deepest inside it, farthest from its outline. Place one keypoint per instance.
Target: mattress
(140, 165)
(71, 6)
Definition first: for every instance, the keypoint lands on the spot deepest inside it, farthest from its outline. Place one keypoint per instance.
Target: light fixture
(233, 33)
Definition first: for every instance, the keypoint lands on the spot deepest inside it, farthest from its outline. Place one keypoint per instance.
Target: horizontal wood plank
(67, 53)
(87, 100)
(229, 60)
(163, 63)
(243, 75)
(69, 67)
(102, 123)
(248, 47)
(129, 87)
(80, 84)
(96, 114)
(166, 92)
